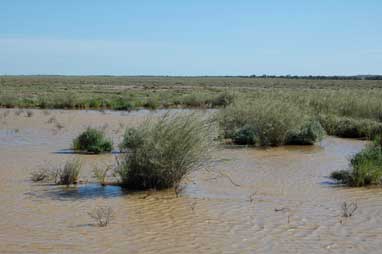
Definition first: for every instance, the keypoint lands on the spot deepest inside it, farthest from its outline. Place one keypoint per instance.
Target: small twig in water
(228, 177)
(283, 209)
(101, 215)
(251, 198)
(348, 209)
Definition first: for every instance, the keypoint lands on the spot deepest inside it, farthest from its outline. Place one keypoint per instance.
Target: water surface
(295, 208)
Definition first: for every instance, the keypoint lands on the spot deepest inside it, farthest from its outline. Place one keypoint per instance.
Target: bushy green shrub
(347, 127)
(160, 152)
(223, 99)
(234, 118)
(152, 103)
(122, 104)
(310, 133)
(195, 100)
(244, 136)
(271, 120)
(366, 168)
(92, 141)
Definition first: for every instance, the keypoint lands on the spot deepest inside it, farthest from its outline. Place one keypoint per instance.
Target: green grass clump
(347, 127)
(161, 152)
(244, 136)
(92, 141)
(271, 121)
(366, 168)
(62, 175)
(310, 133)
(222, 99)
(69, 174)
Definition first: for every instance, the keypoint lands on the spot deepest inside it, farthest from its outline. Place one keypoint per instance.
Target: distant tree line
(356, 77)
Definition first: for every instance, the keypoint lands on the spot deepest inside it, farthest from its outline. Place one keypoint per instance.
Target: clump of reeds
(92, 141)
(161, 152)
(267, 123)
(366, 167)
(66, 175)
(69, 174)
(348, 127)
(101, 174)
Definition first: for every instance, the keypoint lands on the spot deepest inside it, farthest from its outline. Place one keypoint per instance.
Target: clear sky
(163, 37)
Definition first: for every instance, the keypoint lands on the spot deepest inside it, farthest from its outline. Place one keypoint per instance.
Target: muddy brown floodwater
(280, 201)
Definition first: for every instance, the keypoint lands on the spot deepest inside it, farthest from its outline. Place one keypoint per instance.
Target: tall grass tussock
(63, 175)
(268, 123)
(161, 152)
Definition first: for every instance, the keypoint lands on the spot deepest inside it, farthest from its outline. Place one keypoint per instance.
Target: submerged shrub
(92, 141)
(101, 215)
(160, 153)
(366, 168)
(310, 133)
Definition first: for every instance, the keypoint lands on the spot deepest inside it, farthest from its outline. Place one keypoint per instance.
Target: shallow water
(295, 208)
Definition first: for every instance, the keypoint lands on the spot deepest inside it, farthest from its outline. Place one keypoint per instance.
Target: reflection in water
(282, 200)
(83, 191)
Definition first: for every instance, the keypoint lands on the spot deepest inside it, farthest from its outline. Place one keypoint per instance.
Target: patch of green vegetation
(92, 141)
(347, 127)
(345, 108)
(64, 175)
(268, 122)
(366, 168)
(70, 173)
(244, 136)
(310, 133)
(160, 153)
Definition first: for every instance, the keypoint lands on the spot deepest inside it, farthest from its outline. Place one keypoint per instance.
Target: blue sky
(191, 37)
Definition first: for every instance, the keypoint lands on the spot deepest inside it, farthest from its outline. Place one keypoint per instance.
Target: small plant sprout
(101, 174)
(101, 215)
(348, 209)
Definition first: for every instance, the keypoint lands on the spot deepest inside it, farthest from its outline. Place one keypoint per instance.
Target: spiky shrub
(69, 174)
(366, 168)
(92, 141)
(161, 152)
(310, 133)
